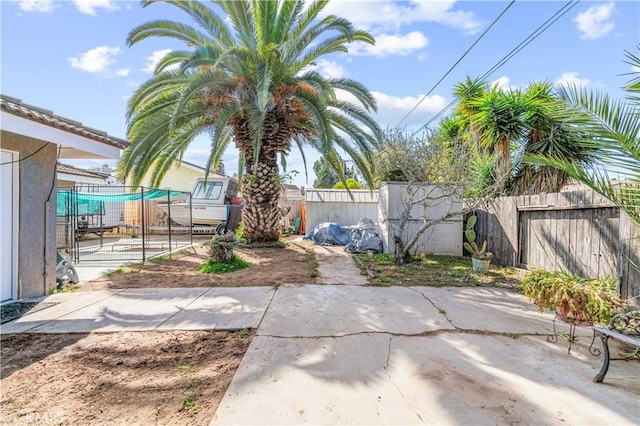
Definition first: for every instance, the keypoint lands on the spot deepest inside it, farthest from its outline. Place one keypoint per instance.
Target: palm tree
(248, 78)
(612, 127)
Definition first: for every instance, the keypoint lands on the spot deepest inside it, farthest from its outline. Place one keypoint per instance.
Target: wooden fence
(577, 231)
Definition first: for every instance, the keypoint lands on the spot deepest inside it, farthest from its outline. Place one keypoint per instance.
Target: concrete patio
(369, 355)
(351, 354)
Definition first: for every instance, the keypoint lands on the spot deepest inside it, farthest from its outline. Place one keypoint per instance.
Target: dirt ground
(162, 378)
(174, 377)
(293, 264)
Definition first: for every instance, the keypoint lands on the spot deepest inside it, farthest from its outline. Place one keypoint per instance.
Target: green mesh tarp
(91, 203)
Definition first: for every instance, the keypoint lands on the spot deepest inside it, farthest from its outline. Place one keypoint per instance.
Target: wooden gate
(584, 241)
(578, 231)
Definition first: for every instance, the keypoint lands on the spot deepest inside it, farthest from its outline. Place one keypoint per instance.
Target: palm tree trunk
(261, 217)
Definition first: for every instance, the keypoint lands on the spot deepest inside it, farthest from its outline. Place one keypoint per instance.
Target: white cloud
(572, 79)
(90, 7)
(502, 83)
(392, 109)
(153, 59)
(595, 22)
(36, 5)
(390, 44)
(123, 72)
(385, 15)
(330, 69)
(635, 68)
(95, 60)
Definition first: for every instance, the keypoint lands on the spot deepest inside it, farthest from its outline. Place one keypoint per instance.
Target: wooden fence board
(578, 231)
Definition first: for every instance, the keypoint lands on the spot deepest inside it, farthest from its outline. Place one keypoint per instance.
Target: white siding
(444, 238)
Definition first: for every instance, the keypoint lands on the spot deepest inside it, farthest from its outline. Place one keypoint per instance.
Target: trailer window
(208, 190)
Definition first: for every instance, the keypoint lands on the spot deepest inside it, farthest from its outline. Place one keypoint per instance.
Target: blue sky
(71, 56)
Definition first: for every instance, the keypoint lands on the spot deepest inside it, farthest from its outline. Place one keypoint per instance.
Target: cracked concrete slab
(131, 310)
(489, 309)
(224, 308)
(61, 304)
(466, 378)
(335, 310)
(444, 378)
(314, 381)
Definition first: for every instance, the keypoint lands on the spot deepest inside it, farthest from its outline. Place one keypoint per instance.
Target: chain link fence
(119, 223)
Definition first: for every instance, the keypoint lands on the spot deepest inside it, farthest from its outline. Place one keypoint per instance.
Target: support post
(142, 223)
(169, 219)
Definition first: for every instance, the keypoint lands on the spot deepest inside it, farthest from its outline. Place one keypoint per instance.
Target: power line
(27, 157)
(535, 34)
(457, 62)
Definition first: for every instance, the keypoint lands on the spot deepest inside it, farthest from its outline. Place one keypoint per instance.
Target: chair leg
(605, 362)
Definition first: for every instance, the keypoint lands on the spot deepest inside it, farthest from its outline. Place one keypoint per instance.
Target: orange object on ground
(303, 219)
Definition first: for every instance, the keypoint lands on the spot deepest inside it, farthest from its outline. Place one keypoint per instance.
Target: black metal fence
(120, 223)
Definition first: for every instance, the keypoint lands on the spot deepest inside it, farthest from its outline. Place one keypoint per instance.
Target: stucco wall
(37, 216)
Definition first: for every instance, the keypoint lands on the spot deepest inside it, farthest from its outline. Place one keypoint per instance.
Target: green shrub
(351, 184)
(213, 267)
(571, 297)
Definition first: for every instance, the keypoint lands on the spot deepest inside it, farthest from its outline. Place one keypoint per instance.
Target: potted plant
(480, 257)
(573, 298)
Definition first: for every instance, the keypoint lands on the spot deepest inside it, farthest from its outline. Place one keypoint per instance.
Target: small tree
(351, 184)
(434, 172)
(327, 177)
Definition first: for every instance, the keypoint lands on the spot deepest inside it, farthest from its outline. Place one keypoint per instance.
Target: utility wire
(27, 157)
(457, 62)
(535, 34)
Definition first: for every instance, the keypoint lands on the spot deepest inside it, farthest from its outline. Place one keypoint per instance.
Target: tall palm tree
(248, 78)
(613, 128)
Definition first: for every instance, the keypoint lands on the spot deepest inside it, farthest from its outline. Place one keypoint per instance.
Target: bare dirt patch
(268, 266)
(169, 377)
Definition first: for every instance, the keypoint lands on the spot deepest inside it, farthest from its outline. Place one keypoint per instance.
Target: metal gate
(119, 223)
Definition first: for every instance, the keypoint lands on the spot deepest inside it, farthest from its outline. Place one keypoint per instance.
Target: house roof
(47, 117)
(71, 170)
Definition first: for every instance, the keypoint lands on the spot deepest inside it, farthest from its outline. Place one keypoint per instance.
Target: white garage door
(7, 212)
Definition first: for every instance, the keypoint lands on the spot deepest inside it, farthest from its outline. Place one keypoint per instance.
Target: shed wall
(443, 238)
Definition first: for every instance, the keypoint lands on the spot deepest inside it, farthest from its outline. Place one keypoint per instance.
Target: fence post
(169, 219)
(142, 223)
(190, 218)
(74, 224)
